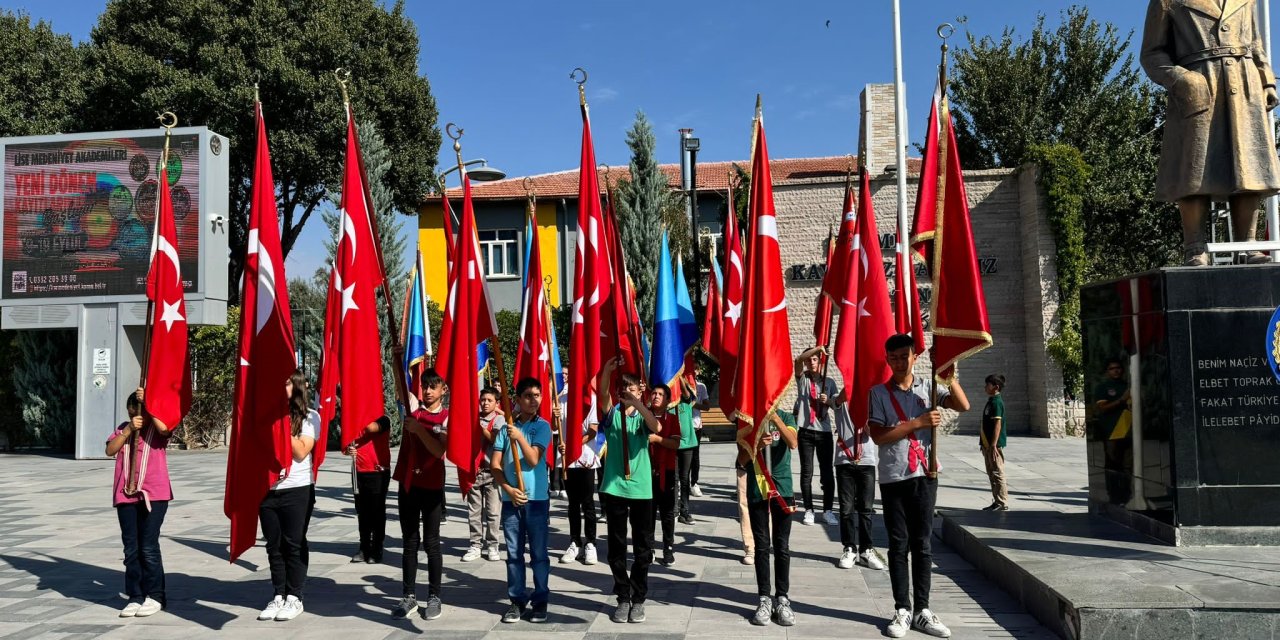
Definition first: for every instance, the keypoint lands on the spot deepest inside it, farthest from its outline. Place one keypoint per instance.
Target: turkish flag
(944, 236)
(764, 366)
(837, 269)
(731, 311)
(353, 352)
(907, 316)
(168, 366)
(713, 317)
(260, 430)
(591, 290)
(533, 359)
(866, 320)
(615, 315)
(468, 322)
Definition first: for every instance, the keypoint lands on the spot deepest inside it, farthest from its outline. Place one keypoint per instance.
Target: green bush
(1064, 176)
(214, 354)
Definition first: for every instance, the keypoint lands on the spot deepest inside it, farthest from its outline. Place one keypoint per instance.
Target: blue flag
(417, 341)
(667, 359)
(684, 311)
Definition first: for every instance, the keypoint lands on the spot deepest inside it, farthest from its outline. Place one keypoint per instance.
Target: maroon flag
(822, 310)
(943, 235)
(260, 431)
(713, 317)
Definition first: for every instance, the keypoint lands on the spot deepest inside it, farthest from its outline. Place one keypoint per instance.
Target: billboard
(78, 212)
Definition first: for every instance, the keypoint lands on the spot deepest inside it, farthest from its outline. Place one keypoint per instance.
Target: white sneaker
(149, 607)
(473, 553)
(900, 624)
(808, 518)
(926, 622)
(492, 553)
(589, 556)
(273, 607)
(830, 517)
(847, 558)
(570, 554)
(130, 610)
(695, 491)
(870, 560)
(292, 608)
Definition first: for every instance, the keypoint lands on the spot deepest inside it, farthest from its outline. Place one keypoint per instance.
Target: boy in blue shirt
(525, 511)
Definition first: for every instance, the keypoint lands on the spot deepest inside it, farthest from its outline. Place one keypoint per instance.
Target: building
(1010, 228)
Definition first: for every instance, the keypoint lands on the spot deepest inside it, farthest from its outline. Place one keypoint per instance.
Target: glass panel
(488, 235)
(507, 234)
(498, 266)
(512, 259)
(485, 254)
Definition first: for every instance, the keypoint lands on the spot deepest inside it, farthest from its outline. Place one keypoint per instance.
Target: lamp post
(691, 145)
(484, 173)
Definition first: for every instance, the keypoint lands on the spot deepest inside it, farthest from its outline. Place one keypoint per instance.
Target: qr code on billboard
(19, 284)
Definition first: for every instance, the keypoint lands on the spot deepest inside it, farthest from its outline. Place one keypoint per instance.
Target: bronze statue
(1208, 55)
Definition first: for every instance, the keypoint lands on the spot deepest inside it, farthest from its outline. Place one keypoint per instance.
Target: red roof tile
(712, 176)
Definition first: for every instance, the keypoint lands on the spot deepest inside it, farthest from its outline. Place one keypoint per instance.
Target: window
(500, 249)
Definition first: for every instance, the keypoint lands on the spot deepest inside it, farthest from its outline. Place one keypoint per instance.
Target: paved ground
(60, 571)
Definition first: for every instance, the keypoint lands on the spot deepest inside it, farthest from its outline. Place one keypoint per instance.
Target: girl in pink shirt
(141, 497)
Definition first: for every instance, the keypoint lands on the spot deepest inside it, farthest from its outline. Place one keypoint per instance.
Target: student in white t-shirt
(580, 486)
(286, 510)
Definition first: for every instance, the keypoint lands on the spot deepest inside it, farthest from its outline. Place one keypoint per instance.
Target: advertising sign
(78, 215)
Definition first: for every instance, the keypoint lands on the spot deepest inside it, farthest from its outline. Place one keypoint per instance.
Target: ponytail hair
(299, 402)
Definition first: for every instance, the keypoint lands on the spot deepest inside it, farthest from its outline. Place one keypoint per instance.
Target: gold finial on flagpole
(450, 130)
(343, 76)
(582, 92)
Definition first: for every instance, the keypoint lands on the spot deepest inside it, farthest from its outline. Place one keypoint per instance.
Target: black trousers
(425, 506)
(371, 510)
(684, 462)
(581, 487)
(908, 517)
(856, 486)
(762, 514)
(664, 505)
(697, 460)
(619, 512)
(140, 533)
(555, 481)
(285, 515)
(821, 443)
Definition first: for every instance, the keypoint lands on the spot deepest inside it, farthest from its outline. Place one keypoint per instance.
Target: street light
(483, 173)
(691, 146)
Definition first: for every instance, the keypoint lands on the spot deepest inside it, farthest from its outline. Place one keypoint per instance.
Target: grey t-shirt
(894, 464)
(845, 449)
(804, 401)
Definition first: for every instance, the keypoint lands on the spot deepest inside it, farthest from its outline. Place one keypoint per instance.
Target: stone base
(1183, 449)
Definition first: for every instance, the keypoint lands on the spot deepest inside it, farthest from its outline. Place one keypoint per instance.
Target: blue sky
(501, 69)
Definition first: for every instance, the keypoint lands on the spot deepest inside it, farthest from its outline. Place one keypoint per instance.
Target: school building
(1010, 227)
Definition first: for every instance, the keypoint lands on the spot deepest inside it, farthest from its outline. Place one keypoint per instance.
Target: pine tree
(644, 204)
(46, 386)
(377, 163)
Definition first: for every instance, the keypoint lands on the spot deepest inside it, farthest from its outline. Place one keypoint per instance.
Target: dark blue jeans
(527, 524)
(140, 532)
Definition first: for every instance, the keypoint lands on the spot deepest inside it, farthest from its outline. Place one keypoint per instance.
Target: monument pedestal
(1192, 455)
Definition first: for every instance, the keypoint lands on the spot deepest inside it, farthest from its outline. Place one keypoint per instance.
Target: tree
(645, 203)
(200, 59)
(390, 225)
(1075, 85)
(42, 80)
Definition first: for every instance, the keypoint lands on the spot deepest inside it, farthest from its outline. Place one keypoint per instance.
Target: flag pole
(343, 76)
(504, 396)
(167, 120)
(944, 31)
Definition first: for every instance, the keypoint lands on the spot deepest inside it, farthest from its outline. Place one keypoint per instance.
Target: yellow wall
(432, 242)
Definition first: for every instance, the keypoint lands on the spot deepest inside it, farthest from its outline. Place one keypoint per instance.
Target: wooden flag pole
(944, 31)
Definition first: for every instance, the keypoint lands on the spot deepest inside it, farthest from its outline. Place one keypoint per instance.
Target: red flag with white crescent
(168, 366)
(731, 311)
(260, 429)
